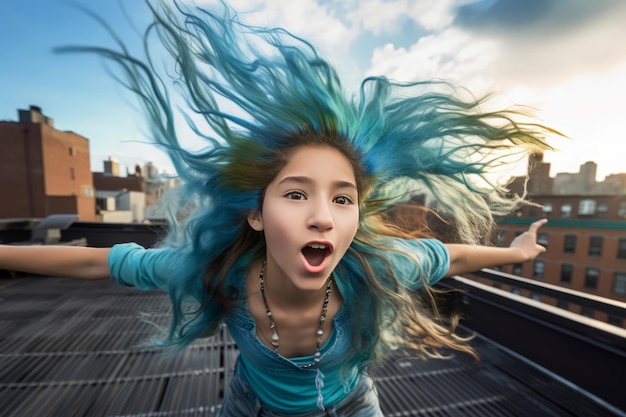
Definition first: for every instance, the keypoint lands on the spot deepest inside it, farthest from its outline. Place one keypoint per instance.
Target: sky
(565, 58)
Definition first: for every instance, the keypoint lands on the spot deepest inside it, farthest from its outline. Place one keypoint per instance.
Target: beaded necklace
(320, 331)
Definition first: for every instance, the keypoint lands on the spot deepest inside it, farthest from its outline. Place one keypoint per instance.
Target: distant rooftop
(107, 182)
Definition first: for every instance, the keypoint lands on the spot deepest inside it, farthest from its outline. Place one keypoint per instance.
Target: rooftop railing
(586, 352)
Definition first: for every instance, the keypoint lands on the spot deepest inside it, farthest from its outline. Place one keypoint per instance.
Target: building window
(602, 210)
(621, 212)
(517, 269)
(566, 273)
(615, 321)
(547, 209)
(72, 173)
(538, 269)
(516, 291)
(562, 304)
(566, 210)
(89, 191)
(591, 278)
(587, 312)
(621, 249)
(619, 283)
(587, 208)
(595, 245)
(569, 244)
(542, 239)
(536, 297)
(71, 151)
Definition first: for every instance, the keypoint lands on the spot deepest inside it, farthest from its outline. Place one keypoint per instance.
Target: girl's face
(310, 215)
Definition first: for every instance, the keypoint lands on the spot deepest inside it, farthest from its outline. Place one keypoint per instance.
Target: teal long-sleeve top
(281, 384)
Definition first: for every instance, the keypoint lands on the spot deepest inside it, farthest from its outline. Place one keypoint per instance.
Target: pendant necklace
(320, 331)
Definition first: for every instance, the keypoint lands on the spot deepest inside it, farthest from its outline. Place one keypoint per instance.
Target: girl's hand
(527, 241)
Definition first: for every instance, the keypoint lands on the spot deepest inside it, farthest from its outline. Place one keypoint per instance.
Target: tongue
(314, 256)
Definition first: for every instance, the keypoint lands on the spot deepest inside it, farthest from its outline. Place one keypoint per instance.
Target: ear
(255, 220)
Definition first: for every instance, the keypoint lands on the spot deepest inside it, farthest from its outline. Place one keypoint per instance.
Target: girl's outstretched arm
(471, 258)
(60, 261)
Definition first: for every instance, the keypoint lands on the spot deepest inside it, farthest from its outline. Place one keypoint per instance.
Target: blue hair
(408, 138)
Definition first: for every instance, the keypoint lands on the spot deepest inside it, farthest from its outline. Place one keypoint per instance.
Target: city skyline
(563, 59)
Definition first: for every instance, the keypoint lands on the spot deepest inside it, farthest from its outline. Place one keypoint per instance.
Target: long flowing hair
(257, 93)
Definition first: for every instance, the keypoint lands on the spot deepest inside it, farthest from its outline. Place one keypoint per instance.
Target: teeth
(317, 246)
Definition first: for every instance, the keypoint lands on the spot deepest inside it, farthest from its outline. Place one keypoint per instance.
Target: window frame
(619, 281)
(570, 240)
(539, 269)
(621, 248)
(592, 276)
(596, 242)
(567, 271)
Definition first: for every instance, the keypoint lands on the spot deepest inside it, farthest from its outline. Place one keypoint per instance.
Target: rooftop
(69, 348)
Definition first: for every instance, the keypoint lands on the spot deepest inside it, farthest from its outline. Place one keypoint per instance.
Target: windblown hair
(403, 139)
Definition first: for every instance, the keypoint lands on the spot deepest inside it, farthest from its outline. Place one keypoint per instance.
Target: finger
(536, 225)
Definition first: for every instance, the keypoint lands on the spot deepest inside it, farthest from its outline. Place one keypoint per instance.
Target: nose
(321, 218)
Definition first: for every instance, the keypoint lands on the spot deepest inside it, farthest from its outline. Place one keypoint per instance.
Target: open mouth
(315, 253)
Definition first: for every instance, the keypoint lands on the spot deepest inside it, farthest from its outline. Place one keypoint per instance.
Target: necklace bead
(320, 331)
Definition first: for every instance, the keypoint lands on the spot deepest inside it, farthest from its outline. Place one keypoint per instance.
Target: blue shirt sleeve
(429, 263)
(134, 266)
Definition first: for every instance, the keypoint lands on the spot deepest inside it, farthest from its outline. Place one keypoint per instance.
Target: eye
(295, 195)
(343, 200)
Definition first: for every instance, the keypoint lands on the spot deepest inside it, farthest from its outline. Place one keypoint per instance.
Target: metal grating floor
(72, 348)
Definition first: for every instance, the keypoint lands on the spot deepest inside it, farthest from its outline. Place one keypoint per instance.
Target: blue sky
(563, 57)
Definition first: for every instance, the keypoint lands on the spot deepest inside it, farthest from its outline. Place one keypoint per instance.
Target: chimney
(34, 115)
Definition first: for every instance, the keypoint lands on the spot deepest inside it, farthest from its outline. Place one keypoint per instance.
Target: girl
(280, 229)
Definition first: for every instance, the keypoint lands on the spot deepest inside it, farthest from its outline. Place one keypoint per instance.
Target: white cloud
(452, 55)
(378, 16)
(382, 16)
(306, 18)
(555, 48)
(435, 14)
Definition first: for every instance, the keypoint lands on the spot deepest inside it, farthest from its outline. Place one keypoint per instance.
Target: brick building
(44, 171)
(586, 248)
(585, 235)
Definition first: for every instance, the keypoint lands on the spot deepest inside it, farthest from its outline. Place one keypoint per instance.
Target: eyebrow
(307, 180)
